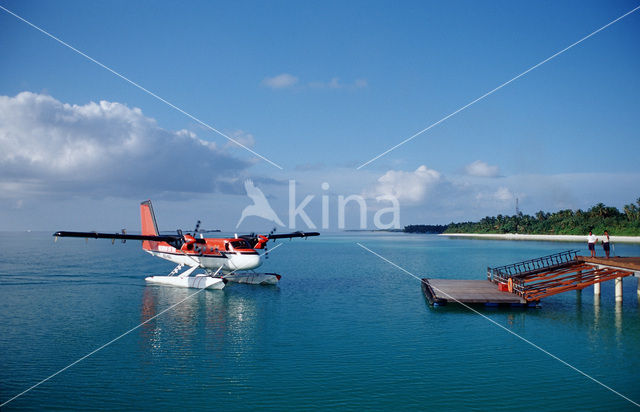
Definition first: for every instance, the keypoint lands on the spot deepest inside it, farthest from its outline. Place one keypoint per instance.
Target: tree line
(425, 228)
(563, 222)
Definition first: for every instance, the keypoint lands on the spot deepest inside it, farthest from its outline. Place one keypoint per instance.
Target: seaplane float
(223, 259)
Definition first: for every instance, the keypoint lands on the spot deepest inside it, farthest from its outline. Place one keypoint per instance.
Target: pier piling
(618, 289)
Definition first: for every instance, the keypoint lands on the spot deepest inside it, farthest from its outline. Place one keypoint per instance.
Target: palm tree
(597, 210)
(631, 211)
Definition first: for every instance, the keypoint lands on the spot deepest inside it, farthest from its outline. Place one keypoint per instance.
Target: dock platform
(442, 291)
(625, 263)
(526, 282)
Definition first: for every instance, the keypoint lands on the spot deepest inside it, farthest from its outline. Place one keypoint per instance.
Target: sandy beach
(558, 238)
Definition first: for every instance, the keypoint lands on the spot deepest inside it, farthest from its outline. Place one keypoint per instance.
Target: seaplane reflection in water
(223, 259)
(206, 322)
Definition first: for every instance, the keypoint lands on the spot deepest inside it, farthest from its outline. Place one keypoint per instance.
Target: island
(563, 222)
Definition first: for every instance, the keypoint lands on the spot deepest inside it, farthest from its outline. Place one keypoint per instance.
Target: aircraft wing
(96, 235)
(292, 235)
(254, 239)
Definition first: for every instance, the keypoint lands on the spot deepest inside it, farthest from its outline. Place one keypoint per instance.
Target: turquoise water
(344, 330)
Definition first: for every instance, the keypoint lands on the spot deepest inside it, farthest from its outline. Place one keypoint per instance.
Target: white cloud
(286, 80)
(335, 84)
(360, 83)
(242, 137)
(481, 169)
(410, 187)
(101, 149)
(503, 194)
(280, 81)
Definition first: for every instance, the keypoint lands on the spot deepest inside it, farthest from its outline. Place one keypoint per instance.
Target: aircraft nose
(245, 262)
(256, 260)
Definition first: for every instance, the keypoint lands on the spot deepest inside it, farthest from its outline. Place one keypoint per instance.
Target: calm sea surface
(344, 330)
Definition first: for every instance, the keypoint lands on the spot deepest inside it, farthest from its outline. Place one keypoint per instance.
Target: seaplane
(223, 259)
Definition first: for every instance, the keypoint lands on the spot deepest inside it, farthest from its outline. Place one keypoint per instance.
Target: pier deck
(626, 263)
(441, 291)
(531, 280)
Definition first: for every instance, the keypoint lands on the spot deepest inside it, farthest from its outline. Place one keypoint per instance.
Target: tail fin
(149, 225)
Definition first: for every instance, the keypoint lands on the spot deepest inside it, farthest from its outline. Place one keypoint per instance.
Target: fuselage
(228, 255)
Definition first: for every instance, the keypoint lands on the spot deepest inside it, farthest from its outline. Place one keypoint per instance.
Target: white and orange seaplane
(221, 258)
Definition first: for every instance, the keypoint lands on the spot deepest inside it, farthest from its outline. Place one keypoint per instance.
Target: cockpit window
(240, 244)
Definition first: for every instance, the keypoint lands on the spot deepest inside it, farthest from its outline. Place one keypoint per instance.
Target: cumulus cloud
(102, 149)
(280, 81)
(481, 169)
(410, 187)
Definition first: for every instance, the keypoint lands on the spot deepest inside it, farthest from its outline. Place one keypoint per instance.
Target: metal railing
(576, 277)
(549, 275)
(531, 266)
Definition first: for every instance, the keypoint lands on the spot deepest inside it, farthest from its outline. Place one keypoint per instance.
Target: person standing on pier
(591, 241)
(605, 243)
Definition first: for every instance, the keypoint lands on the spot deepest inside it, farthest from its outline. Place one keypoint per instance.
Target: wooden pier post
(618, 289)
(596, 287)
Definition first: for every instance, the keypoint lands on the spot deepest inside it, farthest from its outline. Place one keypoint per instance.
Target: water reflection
(596, 311)
(516, 320)
(618, 319)
(212, 320)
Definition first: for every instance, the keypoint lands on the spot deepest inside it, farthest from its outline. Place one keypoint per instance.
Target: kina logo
(260, 207)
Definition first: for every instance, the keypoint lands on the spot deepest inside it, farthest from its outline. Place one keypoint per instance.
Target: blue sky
(319, 89)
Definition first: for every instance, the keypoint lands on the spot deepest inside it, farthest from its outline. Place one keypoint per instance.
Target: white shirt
(592, 239)
(605, 239)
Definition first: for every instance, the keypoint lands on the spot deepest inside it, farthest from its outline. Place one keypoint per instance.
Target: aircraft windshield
(240, 244)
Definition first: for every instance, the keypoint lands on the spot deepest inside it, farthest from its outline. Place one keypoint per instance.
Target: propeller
(266, 245)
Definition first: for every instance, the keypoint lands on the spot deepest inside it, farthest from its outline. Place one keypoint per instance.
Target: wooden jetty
(526, 282)
(442, 291)
(625, 263)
